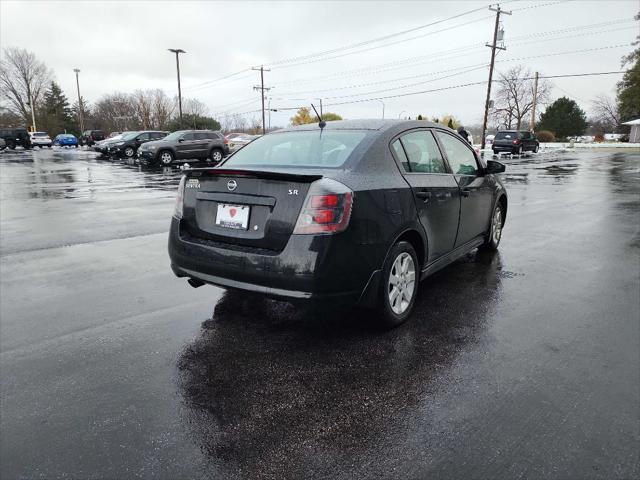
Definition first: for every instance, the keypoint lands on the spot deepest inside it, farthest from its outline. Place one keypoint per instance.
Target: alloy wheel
(216, 155)
(166, 158)
(401, 284)
(129, 152)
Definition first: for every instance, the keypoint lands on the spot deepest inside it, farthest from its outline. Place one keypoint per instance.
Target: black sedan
(356, 212)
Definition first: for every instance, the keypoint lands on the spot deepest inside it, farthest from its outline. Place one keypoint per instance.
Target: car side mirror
(180, 140)
(495, 167)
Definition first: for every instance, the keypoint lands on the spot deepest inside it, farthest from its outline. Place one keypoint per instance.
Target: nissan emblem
(232, 185)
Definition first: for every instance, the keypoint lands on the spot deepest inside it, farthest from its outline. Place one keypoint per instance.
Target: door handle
(465, 193)
(424, 195)
(443, 196)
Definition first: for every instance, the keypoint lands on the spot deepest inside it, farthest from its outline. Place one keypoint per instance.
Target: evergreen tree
(450, 123)
(564, 118)
(629, 87)
(55, 114)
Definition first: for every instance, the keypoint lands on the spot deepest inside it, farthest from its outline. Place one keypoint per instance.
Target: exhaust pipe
(195, 283)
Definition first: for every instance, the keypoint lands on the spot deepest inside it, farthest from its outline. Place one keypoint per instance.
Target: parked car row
(239, 140)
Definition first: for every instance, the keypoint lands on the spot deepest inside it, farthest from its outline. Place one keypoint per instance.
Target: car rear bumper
(309, 268)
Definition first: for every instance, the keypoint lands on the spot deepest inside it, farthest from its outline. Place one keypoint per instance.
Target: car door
(435, 191)
(202, 140)
(185, 146)
(476, 188)
(142, 138)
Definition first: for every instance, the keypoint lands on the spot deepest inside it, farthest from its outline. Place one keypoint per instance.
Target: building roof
(633, 122)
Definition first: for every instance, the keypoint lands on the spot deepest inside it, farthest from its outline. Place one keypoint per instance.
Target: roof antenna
(322, 123)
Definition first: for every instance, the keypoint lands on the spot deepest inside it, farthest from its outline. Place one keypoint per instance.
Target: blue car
(66, 140)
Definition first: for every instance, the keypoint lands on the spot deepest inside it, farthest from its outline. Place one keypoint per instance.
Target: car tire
(11, 144)
(400, 278)
(517, 151)
(216, 155)
(494, 235)
(536, 148)
(129, 152)
(166, 157)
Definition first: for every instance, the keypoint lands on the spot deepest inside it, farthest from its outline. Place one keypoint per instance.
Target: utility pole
(178, 51)
(262, 89)
(33, 116)
(535, 100)
(494, 46)
(80, 108)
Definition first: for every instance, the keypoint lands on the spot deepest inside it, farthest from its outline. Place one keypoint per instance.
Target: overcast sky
(122, 46)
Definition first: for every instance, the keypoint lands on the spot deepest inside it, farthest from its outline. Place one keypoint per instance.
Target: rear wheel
(517, 151)
(216, 155)
(536, 148)
(400, 277)
(166, 157)
(495, 231)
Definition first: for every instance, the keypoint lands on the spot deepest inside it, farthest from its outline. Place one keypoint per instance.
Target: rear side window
(327, 149)
(423, 152)
(506, 136)
(399, 151)
(461, 158)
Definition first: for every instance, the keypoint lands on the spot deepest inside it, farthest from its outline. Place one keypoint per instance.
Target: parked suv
(515, 142)
(89, 137)
(185, 145)
(40, 139)
(129, 144)
(16, 137)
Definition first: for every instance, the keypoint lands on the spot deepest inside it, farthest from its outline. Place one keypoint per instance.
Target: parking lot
(522, 364)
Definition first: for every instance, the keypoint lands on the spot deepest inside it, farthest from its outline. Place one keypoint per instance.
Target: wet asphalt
(522, 364)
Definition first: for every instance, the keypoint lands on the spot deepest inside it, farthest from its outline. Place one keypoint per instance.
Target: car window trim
(435, 137)
(479, 165)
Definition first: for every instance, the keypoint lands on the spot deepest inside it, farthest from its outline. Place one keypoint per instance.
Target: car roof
(366, 124)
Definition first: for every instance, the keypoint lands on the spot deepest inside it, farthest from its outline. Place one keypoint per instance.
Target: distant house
(634, 135)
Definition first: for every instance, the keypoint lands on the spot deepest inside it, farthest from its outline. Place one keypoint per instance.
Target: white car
(40, 139)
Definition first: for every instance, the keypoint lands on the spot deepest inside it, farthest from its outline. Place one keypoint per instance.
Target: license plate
(233, 216)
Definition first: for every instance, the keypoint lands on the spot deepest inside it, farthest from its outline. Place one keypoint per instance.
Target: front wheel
(166, 158)
(129, 152)
(11, 144)
(216, 155)
(495, 231)
(400, 277)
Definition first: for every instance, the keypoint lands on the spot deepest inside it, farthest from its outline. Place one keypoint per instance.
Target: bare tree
(116, 112)
(514, 98)
(23, 80)
(605, 112)
(162, 109)
(143, 103)
(191, 106)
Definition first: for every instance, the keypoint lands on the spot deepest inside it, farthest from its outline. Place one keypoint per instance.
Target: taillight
(516, 141)
(177, 211)
(327, 208)
(226, 141)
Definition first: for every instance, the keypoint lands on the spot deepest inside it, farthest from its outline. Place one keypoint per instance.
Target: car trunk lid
(241, 207)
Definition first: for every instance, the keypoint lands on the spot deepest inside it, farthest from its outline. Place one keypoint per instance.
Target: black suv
(89, 137)
(128, 145)
(16, 137)
(186, 145)
(515, 142)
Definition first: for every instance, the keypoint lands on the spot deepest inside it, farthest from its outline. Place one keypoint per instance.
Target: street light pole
(80, 109)
(178, 51)
(400, 114)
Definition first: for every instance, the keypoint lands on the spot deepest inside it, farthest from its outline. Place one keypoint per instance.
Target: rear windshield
(329, 149)
(40, 134)
(506, 136)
